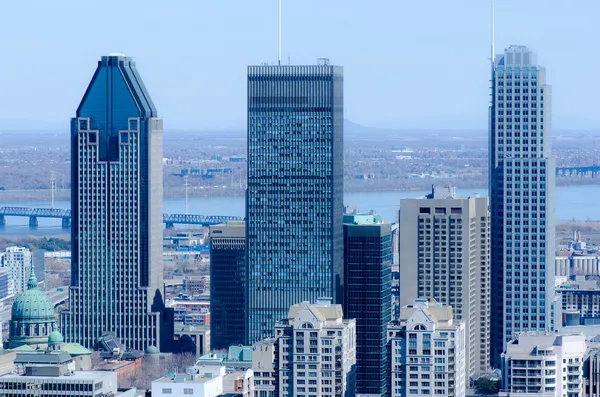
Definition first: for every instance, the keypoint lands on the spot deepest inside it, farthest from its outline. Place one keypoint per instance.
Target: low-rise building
(240, 383)
(55, 377)
(544, 364)
(427, 352)
(236, 358)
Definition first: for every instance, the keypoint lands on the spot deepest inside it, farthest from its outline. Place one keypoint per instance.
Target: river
(572, 202)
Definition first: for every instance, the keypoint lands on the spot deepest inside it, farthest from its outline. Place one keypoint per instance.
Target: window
(167, 391)
(188, 392)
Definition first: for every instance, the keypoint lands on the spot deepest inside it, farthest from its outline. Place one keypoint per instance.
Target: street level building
(522, 187)
(544, 364)
(116, 207)
(445, 255)
(368, 296)
(295, 190)
(227, 284)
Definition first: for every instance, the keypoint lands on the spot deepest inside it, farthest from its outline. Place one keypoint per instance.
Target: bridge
(593, 171)
(169, 220)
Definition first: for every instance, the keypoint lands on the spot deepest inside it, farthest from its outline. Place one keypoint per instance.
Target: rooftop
(77, 375)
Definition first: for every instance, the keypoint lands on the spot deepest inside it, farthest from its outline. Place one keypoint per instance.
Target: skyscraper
(116, 206)
(445, 255)
(368, 297)
(227, 290)
(522, 197)
(294, 200)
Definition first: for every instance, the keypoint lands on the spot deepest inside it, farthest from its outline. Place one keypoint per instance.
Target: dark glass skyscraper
(116, 205)
(294, 200)
(368, 297)
(522, 192)
(227, 284)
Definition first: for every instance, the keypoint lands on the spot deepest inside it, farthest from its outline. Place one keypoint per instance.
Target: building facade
(544, 364)
(521, 184)
(427, 352)
(313, 353)
(295, 190)
(368, 297)
(445, 255)
(116, 206)
(227, 284)
(265, 365)
(18, 260)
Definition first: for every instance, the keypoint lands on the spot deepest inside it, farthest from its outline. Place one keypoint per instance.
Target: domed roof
(55, 337)
(32, 305)
(151, 350)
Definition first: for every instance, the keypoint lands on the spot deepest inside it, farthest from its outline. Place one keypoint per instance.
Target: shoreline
(379, 186)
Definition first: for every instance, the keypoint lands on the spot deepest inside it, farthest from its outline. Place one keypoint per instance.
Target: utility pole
(52, 186)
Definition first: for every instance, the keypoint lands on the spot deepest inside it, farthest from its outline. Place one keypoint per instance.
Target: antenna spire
(279, 33)
(493, 54)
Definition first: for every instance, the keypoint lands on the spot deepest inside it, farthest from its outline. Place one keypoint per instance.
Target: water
(572, 202)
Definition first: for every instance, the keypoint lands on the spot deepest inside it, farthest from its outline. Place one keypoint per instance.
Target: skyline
(208, 91)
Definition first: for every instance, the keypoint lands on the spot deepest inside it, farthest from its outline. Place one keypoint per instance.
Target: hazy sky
(408, 64)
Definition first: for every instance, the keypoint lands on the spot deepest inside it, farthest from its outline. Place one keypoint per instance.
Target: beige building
(445, 255)
(313, 354)
(427, 352)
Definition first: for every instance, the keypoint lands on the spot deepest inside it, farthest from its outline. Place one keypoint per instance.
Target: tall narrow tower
(522, 198)
(294, 203)
(116, 206)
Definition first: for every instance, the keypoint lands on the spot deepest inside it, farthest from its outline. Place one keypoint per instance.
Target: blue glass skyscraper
(522, 198)
(294, 200)
(116, 205)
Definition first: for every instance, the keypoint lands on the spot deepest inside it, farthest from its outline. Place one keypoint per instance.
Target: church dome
(33, 304)
(32, 317)
(151, 350)
(55, 337)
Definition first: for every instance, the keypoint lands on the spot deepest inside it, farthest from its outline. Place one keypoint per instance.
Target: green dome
(32, 305)
(55, 337)
(151, 350)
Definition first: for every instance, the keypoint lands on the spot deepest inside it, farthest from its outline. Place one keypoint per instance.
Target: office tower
(427, 352)
(294, 199)
(18, 261)
(116, 206)
(314, 352)
(522, 197)
(368, 297)
(445, 255)
(544, 364)
(227, 284)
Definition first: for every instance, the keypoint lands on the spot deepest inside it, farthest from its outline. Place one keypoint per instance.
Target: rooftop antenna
(492, 49)
(279, 33)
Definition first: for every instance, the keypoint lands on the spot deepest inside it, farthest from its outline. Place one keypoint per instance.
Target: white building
(313, 354)
(427, 352)
(58, 380)
(18, 261)
(544, 364)
(201, 382)
(205, 381)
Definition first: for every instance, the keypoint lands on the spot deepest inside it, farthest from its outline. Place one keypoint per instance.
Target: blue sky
(408, 64)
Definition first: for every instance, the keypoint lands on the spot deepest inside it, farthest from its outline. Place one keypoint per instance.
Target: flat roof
(77, 375)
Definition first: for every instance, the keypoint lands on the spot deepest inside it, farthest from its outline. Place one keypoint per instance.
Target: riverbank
(350, 186)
